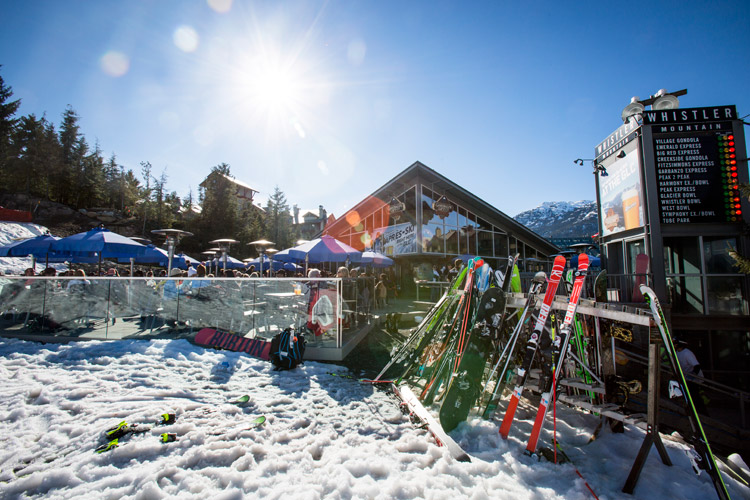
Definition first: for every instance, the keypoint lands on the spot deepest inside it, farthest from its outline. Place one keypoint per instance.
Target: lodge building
(421, 218)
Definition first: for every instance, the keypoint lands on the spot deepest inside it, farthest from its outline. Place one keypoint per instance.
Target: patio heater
(260, 247)
(214, 259)
(270, 252)
(224, 248)
(210, 253)
(173, 236)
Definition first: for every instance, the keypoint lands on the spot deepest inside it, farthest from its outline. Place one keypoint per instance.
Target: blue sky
(329, 100)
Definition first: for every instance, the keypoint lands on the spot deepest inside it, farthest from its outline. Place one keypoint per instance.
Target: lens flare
(353, 218)
(220, 6)
(115, 63)
(185, 38)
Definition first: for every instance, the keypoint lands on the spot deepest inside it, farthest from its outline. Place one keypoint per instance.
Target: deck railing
(114, 308)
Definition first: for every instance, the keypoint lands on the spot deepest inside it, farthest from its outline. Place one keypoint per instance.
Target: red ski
(533, 343)
(560, 351)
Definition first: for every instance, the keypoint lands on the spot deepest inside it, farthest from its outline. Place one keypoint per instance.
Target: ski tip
(241, 400)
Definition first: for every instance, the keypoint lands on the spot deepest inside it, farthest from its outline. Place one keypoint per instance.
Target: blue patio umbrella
(181, 261)
(38, 246)
(152, 255)
(277, 264)
(284, 256)
(325, 249)
(99, 242)
(291, 266)
(232, 263)
(376, 259)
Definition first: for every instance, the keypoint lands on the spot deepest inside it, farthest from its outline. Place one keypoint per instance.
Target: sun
(275, 89)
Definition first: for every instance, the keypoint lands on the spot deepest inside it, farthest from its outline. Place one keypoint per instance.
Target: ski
(700, 442)
(418, 410)
(561, 343)
(451, 348)
(410, 349)
(114, 434)
(510, 346)
(533, 343)
(242, 400)
(465, 382)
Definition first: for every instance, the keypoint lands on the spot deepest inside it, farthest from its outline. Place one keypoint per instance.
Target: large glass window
(716, 254)
(484, 247)
(433, 238)
(682, 255)
(451, 241)
(501, 245)
(685, 294)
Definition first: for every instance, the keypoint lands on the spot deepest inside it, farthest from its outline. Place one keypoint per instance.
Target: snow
(325, 436)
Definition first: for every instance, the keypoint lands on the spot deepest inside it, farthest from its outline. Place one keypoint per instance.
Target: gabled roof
(230, 179)
(421, 173)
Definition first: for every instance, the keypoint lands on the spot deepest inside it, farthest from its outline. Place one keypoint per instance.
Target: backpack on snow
(287, 349)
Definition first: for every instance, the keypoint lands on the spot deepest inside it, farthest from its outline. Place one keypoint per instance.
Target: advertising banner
(397, 239)
(621, 194)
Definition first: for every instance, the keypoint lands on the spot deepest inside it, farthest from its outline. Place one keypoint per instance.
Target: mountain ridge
(562, 219)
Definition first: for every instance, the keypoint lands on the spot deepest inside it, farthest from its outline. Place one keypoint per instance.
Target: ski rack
(649, 421)
(588, 307)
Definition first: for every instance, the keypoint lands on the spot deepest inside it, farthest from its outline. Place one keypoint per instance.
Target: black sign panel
(690, 115)
(695, 175)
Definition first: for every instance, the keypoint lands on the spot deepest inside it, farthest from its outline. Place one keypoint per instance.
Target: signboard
(688, 116)
(621, 195)
(696, 173)
(397, 239)
(616, 140)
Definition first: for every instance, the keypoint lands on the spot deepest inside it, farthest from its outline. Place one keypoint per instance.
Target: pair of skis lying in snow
(114, 435)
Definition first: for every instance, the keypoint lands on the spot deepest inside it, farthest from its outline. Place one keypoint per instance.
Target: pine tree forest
(55, 162)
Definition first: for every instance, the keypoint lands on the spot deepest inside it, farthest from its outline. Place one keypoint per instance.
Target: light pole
(260, 247)
(173, 236)
(224, 248)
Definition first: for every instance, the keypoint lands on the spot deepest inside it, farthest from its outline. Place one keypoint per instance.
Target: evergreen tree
(278, 219)
(8, 124)
(220, 215)
(91, 186)
(144, 196)
(69, 171)
(24, 163)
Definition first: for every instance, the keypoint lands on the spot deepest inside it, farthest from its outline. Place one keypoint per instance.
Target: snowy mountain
(561, 219)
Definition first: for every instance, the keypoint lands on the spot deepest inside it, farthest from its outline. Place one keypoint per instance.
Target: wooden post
(652, 429)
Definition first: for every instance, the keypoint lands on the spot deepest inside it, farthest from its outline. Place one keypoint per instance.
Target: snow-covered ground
(10, 232)
(326, 436)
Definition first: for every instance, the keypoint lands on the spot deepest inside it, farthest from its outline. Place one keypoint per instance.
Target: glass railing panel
(326, 310)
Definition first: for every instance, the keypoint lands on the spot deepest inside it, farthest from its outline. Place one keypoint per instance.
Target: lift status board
(696, 170)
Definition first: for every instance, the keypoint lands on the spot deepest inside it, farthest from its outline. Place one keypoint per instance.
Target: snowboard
(641, 268)
(208, 337)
